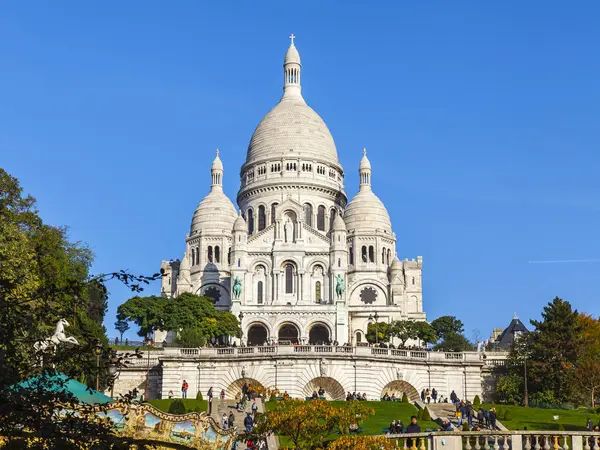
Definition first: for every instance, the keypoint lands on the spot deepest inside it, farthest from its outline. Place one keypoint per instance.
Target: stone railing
(496, 440)
(283, 350)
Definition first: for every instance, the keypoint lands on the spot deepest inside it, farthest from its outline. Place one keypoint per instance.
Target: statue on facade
(237, 287)
(58, 337)
(288, 230)
(339, 286)
(323, 367)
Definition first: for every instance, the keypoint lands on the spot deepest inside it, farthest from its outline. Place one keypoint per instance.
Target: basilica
(297, 262)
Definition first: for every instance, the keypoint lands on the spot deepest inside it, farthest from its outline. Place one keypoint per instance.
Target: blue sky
(480, 118)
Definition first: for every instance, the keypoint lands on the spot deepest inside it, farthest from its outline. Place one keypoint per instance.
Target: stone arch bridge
(302, 369)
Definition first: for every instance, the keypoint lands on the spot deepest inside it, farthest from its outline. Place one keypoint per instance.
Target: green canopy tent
(59, 382)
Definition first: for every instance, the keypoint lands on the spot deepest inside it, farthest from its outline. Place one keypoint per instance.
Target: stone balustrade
(496, 440)
(287, 350)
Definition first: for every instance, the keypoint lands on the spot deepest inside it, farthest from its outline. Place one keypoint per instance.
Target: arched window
(332, 214)
(229, 256)
(250, 221)
(210, 254)
(321, 218)
(358, 337)
(351, 256)
(364, 253)
(193, 257)
(339, 262)
(239, 262)
(217, 254)
(259, 293)
(389, 256)
(273, 212)
(371, 254)
(383, 256)
(318, 292)
(262, 218)
(289, 279)
(197, 255)
(308, 214)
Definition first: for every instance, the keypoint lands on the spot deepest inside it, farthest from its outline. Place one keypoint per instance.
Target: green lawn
(385, 412)
(543, 419)
(191, 404)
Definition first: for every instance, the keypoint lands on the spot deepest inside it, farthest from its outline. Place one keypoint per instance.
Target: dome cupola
(215, 212)
(365, 211)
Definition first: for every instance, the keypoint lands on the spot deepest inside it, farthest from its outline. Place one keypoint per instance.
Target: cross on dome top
(292, 37)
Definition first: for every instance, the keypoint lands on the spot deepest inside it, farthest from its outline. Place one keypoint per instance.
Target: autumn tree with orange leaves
(309, 425)
(363, 443)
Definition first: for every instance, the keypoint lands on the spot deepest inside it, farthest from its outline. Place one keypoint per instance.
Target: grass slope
(190, 404)
(543, 419)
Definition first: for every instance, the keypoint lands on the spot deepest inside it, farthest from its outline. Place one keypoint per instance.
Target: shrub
(465, 426)
(476, 402)
(561, 427)
(420, 414)
(273, 398)
(405, 398)
(199, 396)
(177, 407)
(426, 415)
(506, 415)
(198, 408)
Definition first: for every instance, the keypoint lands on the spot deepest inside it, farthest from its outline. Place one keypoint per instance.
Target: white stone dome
(366, 212)
(292, 55)
(240, 224)
(214, 212)
(338, 223)
(292, 129)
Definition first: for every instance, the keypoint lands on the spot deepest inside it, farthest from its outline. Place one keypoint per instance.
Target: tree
(383, 332)
(309, 424)
(454, 342)
(508, 389)
(404, 330)
(121, 326)
(554, 349)
(194, 314)
(426, 333)
(355, 442)
(445, 325)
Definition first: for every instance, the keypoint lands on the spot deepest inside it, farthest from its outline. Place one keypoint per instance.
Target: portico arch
(400, 387)
(258, 334)
(319, 334)
(289, 332)
(235, 389)
(333, 389)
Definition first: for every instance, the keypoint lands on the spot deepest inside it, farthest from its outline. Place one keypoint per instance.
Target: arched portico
(333, 389)
(289, 332)
(235, 389)
(258, 334)
(400, 387)
(319, 334)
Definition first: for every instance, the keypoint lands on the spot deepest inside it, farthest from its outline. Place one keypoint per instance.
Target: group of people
(397, 427)
(318, 394)
(356, 396)
(427, 395)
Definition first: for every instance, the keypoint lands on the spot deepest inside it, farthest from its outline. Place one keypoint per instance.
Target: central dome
(292, 129)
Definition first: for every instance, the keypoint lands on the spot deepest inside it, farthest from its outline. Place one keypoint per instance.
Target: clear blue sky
(481, 120)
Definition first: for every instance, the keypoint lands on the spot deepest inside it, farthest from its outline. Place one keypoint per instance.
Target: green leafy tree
(447, 325)
(404, 330)
(187, 312)
(454, 342)
(508, 389)
(121, 326)
(383, 332)
(190, 338)
(426, 333)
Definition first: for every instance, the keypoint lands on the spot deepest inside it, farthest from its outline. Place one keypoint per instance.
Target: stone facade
(297, 262)
(303, 369)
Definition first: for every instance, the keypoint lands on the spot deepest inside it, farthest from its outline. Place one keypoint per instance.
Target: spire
(291, 71)
(216, 172)
(364, 170)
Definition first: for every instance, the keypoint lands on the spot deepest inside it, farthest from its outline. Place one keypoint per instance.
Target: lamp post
(98, 352)
(241, 317)
(376, 317)
(114, 374)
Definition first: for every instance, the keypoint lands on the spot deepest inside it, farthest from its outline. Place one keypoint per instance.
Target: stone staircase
(227, 406)
(443, 411)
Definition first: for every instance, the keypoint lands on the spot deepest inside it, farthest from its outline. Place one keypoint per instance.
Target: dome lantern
(291, 71)
(216, 172)
(364, 170)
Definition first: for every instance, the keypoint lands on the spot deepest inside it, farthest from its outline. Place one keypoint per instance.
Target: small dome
(338, 223)
(292, 55)
(217, 163)
(366, 212)
(240, 224)
(364, 162)
(214, 212)
(396, 265)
